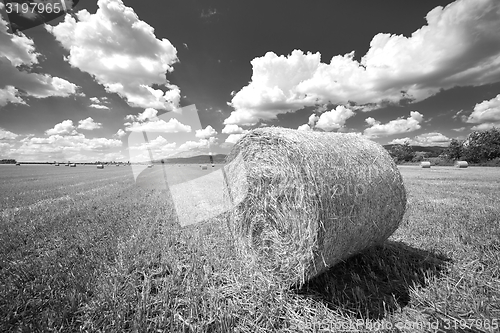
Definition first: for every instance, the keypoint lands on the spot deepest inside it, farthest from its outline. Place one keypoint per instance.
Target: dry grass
(111, 258)
(312, 199)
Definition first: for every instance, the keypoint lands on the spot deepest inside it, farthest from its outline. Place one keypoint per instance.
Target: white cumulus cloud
(7, 135)
(64, 127)
(486, 111)
(334, 119)
(120, 133)
(233, 129)
(158, 145)
(191, 148)
(159, 125)
(312, 120)
(15, 81)
(206, 133)
(99, 106)
(304, 127)
(233, 138)
(397, 126)
(122, 53)
(459, 46)
(88, 124)
(148, 114)
(64, 147)
(426, 139)
(485, 126)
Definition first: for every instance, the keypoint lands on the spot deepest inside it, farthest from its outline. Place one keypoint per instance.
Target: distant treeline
(8, 161)
(480, 148)
(11, 161)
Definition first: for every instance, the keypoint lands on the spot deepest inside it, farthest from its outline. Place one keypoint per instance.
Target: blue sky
(76, 88)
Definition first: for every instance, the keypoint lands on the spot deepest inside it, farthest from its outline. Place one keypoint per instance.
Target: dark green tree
(8, 161)
(454, 150)
(482, 146)
(402, 152)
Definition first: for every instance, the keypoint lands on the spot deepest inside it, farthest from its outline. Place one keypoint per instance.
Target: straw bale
(310, 199)
(425, 164)
(461, 164)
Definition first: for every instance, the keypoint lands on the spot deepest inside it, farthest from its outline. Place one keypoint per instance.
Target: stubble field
(83, 249)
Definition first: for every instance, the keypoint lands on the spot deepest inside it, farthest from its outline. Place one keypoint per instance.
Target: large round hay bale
(311, 199)
(461, 164)
(100, 166)
(425, 164)
(73, 165)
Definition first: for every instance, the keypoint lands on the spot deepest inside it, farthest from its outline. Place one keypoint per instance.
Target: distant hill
(220, 158)
(199, 159)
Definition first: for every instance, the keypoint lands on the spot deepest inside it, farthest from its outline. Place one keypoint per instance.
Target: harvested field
(82, 250)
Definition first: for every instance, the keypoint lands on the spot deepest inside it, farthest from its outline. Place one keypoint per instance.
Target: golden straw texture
(311, 199)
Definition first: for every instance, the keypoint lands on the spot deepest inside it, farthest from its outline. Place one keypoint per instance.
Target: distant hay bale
(150, 165)
(213, 166)
(57, 164)
(204, 167)
(311, 199)
(425, 164)
(461, 164)
(18, 164)
(73, 165)
(100, 166)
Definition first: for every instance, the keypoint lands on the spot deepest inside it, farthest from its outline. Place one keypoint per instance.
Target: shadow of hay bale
(377, 281)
